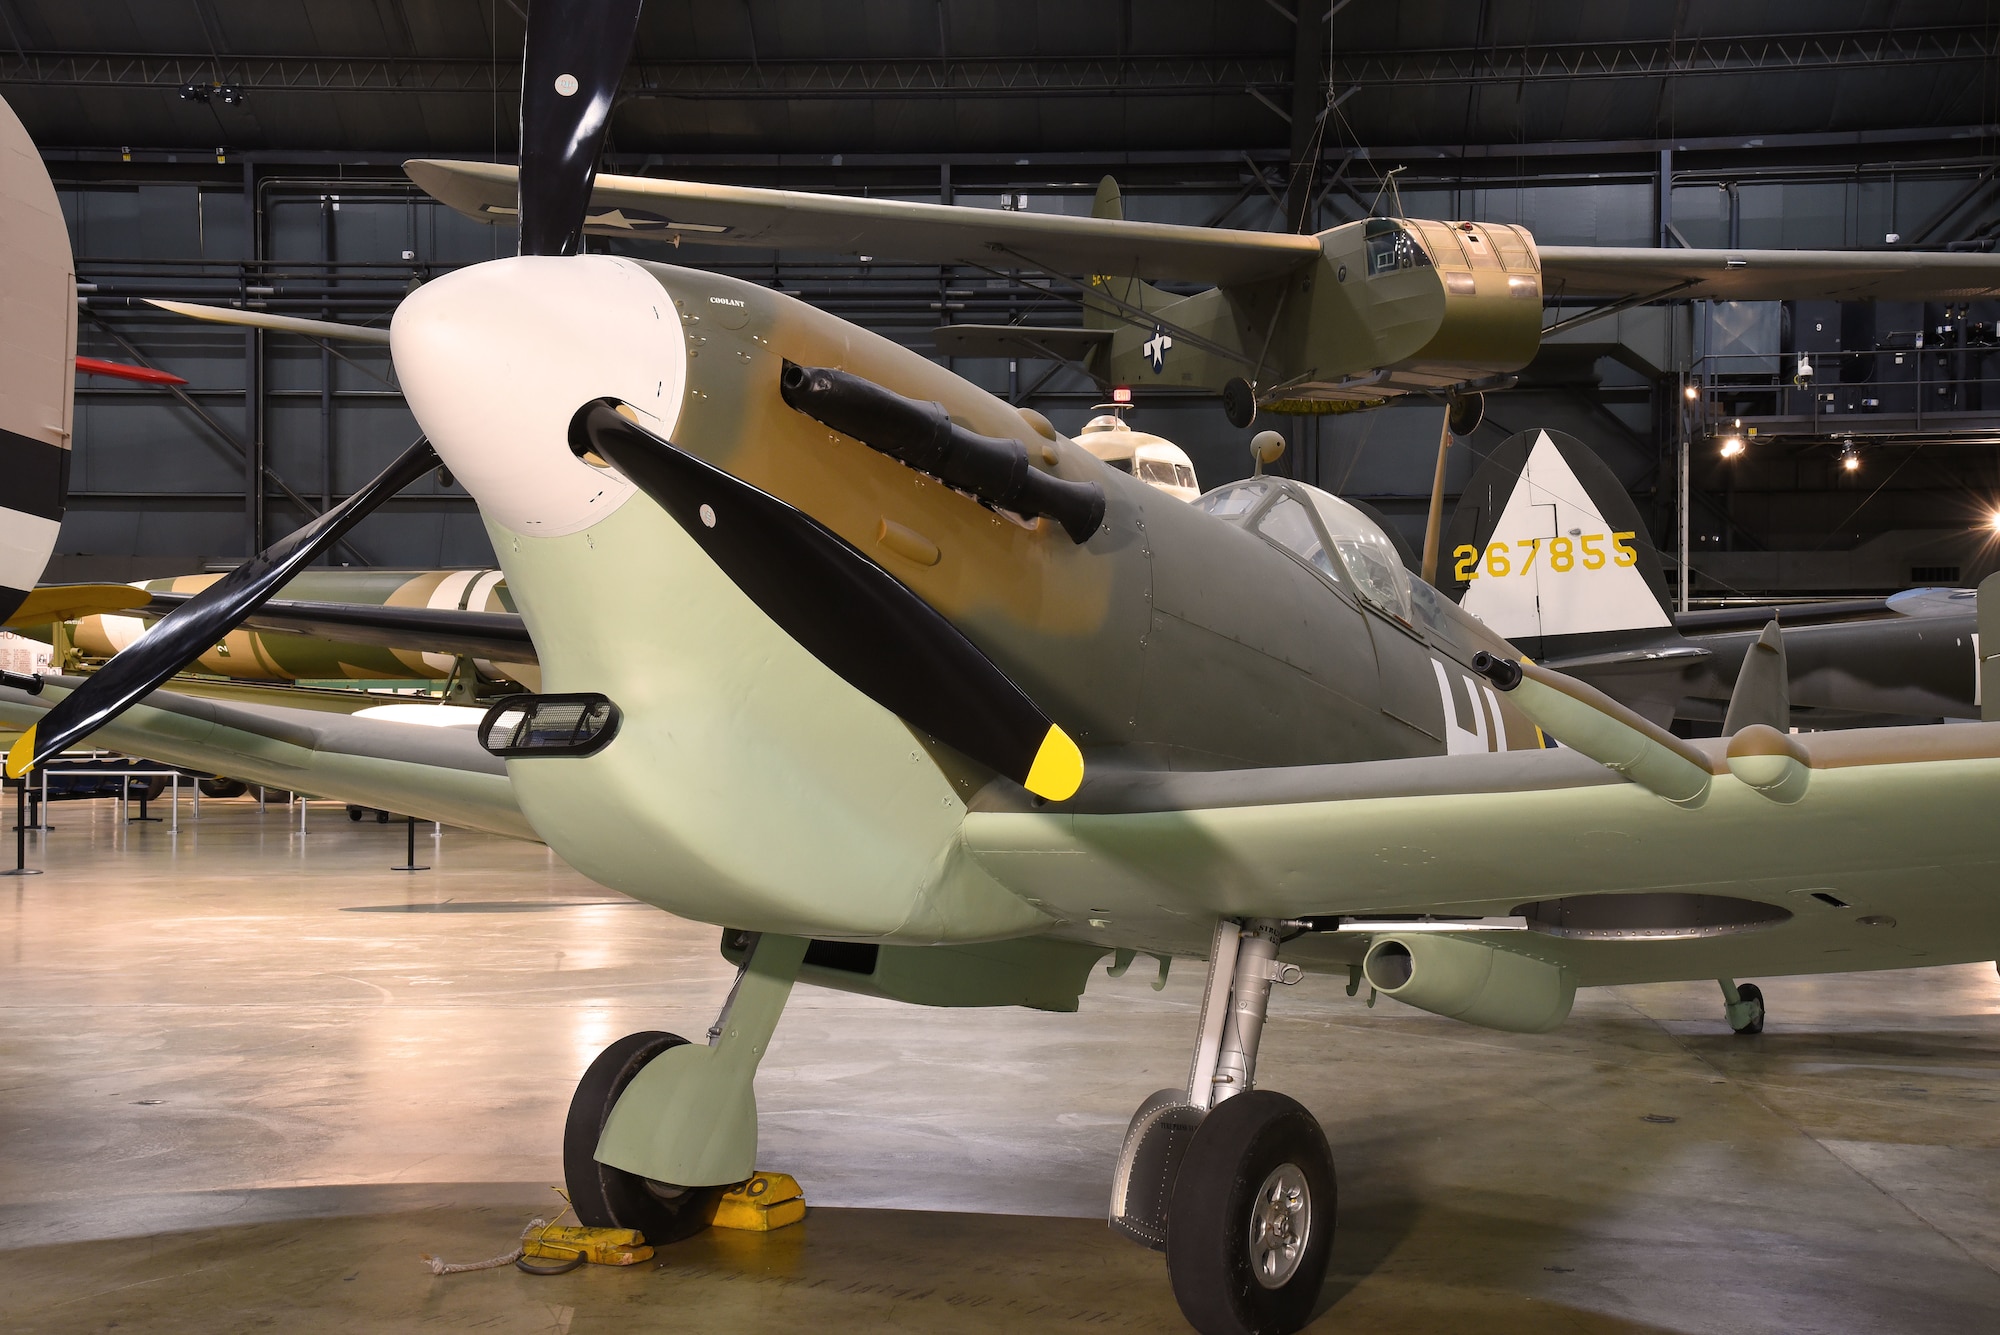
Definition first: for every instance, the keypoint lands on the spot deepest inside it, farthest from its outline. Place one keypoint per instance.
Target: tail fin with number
(1546, 546)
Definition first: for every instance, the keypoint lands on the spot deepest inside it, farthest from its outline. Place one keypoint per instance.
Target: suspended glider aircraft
(920, 698)
(1358, 313)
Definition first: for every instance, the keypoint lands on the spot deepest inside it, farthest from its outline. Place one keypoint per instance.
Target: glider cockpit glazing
(1392, 246)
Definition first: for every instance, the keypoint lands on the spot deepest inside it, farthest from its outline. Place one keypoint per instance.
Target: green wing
(436, 773)
(1889, 859)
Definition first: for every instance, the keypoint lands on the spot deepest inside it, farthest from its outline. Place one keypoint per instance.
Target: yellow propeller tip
(22, 757)
(1058, 769)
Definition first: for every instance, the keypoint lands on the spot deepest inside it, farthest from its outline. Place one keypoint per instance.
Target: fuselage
(750, 785)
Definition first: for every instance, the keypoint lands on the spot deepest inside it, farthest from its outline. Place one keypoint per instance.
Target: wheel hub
(1280, 1225)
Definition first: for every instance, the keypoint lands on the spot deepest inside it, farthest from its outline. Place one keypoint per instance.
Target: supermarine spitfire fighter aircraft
(919, 698)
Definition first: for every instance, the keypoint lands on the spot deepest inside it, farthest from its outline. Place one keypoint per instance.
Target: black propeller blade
(575, 54)
(848, 612)
(195, 626)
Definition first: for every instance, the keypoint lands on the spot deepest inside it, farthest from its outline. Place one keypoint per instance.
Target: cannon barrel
(923, 436)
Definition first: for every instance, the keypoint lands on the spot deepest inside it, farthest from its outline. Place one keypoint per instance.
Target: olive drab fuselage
(1170, 639)
(1390, 306)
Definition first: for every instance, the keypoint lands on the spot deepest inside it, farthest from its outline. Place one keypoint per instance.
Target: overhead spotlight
(1732, 446)
(1994, 519)
(1692, 393)
(231, 95)
(194, 92)
(1850, 459)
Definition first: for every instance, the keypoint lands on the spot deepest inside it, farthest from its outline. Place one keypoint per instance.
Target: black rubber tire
(381, 818)
(1464, 413)
(1239, 402)
(354, 814)
(1235, 1149)
(607, 1197)
(221, 787)
(1752, 992)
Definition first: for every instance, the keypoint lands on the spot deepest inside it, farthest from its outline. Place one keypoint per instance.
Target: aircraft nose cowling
(495, 360)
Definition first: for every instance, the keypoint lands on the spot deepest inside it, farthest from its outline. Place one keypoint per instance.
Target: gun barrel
(923, 436)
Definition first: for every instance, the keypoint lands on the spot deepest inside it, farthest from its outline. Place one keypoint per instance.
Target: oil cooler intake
(922, 435)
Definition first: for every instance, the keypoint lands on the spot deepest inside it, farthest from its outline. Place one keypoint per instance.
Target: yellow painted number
(1467, 568)
(1496, 560)
(1593, 556)
(1534, 550)
(1562, 555)
(1626, 554)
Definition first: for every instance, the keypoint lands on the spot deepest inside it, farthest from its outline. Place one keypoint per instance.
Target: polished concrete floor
(248, 1077)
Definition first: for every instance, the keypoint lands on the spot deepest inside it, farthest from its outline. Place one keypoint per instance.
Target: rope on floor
(537, 1228)
(440, 1266)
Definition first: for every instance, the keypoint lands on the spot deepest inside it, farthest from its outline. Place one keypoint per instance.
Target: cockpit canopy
(1325, 532)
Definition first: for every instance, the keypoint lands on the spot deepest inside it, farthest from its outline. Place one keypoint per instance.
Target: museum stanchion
(21, 867)
(410, 862)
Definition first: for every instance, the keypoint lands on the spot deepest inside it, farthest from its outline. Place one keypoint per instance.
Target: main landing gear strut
(1234, 1183)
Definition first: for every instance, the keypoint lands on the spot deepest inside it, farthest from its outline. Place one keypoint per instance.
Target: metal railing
(1888, 391)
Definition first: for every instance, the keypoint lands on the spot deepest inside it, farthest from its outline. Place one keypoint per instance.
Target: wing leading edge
(888, 229)
(1885, 860)
(435, 773)
(1624, 273)
(697, 213)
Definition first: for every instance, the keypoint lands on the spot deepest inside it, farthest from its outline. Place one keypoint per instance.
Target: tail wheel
(607, 1197)
(1752, 996)
(1250, 1229)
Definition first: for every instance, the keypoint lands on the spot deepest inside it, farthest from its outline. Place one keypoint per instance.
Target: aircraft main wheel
(1251, 1225)
(1753, 996)
(607, 1197)
(220, 787)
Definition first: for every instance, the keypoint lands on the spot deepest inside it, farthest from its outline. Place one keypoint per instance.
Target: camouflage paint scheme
(1246, 755)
